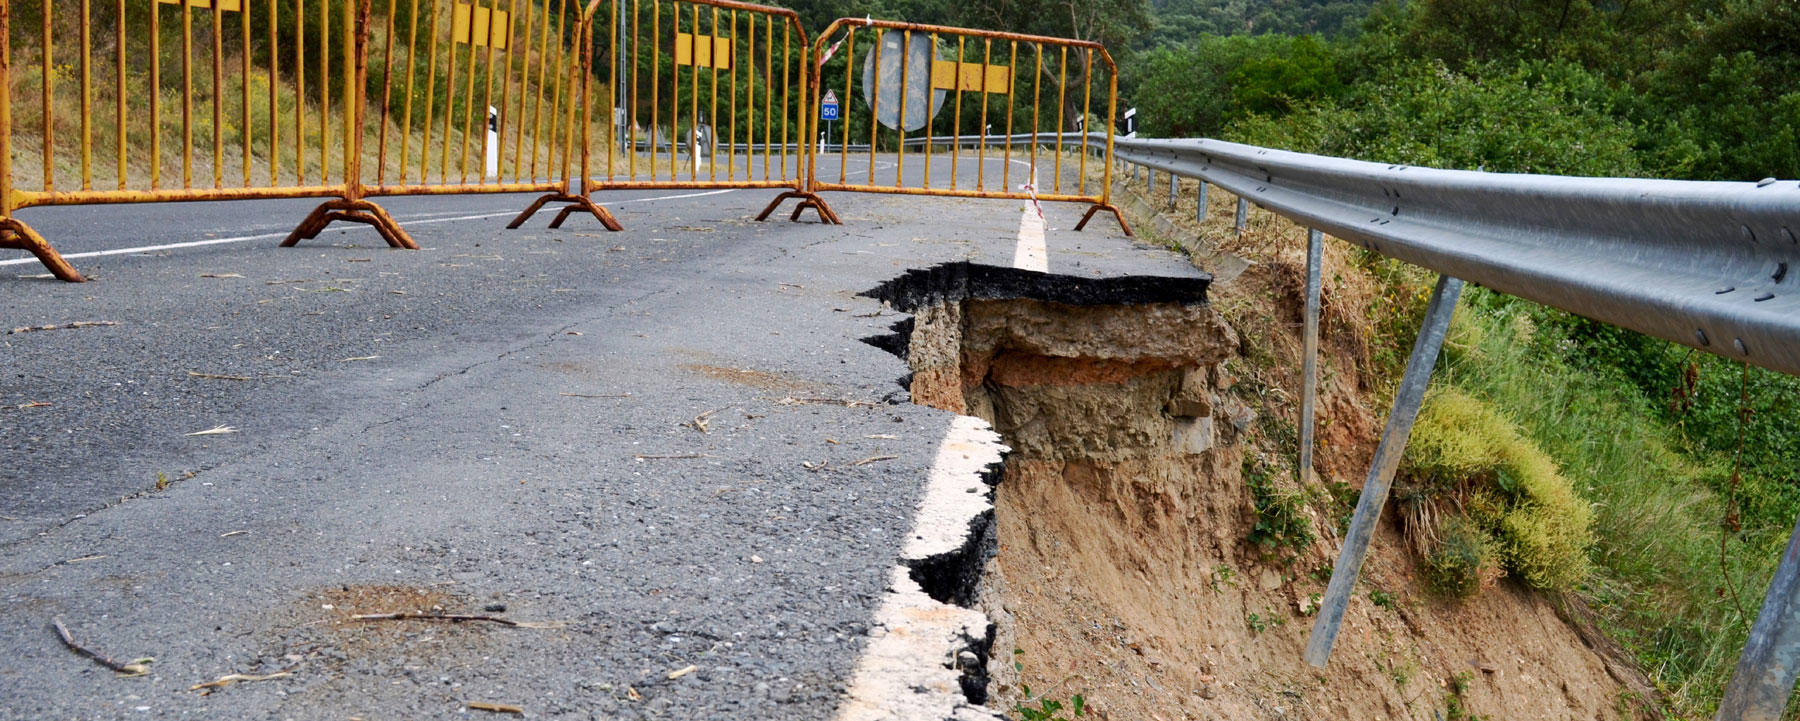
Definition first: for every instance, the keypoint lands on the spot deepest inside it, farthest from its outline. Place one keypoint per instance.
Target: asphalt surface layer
(664, 447)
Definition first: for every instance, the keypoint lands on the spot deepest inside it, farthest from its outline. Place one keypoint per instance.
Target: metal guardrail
(1702, 264)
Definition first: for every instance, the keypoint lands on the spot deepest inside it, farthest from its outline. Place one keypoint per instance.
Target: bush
(1462, 450)
(1463, 561)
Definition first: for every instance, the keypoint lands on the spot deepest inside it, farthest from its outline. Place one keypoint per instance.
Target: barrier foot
(353, 211)
(807, 200)
(19, 236)
(1110, 208)
(575, 203)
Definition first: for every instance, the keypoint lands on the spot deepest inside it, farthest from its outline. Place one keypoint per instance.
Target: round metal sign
(919, 59)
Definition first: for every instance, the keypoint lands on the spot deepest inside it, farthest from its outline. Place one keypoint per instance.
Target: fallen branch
(137, 667)
(217, 377)
(872, 459)
(496, 707)
(453, 617)
(231, 678)
(33, 404)
(700, 421)
(792, 401)
(65, 326)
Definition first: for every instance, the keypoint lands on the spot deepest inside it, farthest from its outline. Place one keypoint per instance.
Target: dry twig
(792, 401)
(594, 395)
(496, 707)
(137, 667)
(217, 377)
(65, 326)
(231, 678)
(214, 431)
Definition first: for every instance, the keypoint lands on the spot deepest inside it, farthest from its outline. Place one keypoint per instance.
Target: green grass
(1656, 575)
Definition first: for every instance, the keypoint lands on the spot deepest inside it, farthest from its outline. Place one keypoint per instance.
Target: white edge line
(407, 220)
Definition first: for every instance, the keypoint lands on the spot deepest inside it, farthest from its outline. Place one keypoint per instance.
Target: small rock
(494, 608)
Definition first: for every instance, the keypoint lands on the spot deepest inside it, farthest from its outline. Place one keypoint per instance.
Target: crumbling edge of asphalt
(926, 651)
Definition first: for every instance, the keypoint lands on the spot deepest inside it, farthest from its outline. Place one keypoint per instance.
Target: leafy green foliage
(1281, 519)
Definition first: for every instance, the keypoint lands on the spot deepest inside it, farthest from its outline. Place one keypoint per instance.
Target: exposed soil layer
(1125, 568)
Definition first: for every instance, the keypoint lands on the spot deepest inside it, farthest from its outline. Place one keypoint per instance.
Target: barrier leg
(1407, 400)
(16, 235)
(576, 202)
(354, 211)
(1110, 208)
(807, 200)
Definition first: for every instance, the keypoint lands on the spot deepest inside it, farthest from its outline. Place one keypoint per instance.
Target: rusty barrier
(481, 96)
(94, 84)
(720, 82)
(941, 89)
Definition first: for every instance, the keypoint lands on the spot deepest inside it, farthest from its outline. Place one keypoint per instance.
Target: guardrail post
(1381, 470)
(1770, 662)
(1309, 374)
(1200, 204)
(1243, 215)
(1174, 188)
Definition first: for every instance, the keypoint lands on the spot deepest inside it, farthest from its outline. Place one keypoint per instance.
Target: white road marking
(1032, 253)
(410, 220)
(902, 674)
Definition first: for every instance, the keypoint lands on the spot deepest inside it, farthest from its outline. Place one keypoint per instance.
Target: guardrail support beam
(1200, 206)
(1174, 189)
(1381, 471)
(1243, 215)
(1770, 662)
(1309, 373)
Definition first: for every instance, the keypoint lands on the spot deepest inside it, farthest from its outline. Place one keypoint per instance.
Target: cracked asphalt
(659, 448)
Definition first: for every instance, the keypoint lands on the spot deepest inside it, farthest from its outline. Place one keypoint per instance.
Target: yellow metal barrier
(946, 91)
(696, 94)
(481, 96)
(243, 129)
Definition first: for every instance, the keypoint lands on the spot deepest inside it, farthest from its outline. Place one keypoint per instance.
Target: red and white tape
(1031, 189)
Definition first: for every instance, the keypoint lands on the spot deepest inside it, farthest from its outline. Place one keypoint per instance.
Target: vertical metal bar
(900, 117)
(874, 100)
(987, 58)
(1037, 87)
(655, 79)
(1243, 215)
(769, 94)
(325, 91)
(631, 100)
(49, 76)
(1200, 204)
(387, 91)
(218, 94)
(731, 152)
(450, 97)
(1112, 111)
(1770, 662)
(1174, 189)
(119, 92)
(244, 88)
(930, 114)
(694, 92)
(300, 90)
(355, 60)
(674, 86)
(1012, 63)
(616, 107)
(537, 107)
(274, 96)
(962, 42)
(1309, 343)
(787, 46)
(6, 129)
(712, 112)
(187, 96)
(468, 126)
(506, 112)
(806, 163)
(564, 68)
(155, 93)
(412, 54)
(1062, 120)
(1087, 105)
(87, 113)
(1381, 470)
(844, 137)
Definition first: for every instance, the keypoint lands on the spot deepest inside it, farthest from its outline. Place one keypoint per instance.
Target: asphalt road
(666, 444)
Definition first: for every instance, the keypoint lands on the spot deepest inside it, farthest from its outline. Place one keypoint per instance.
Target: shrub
(1471, 476)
